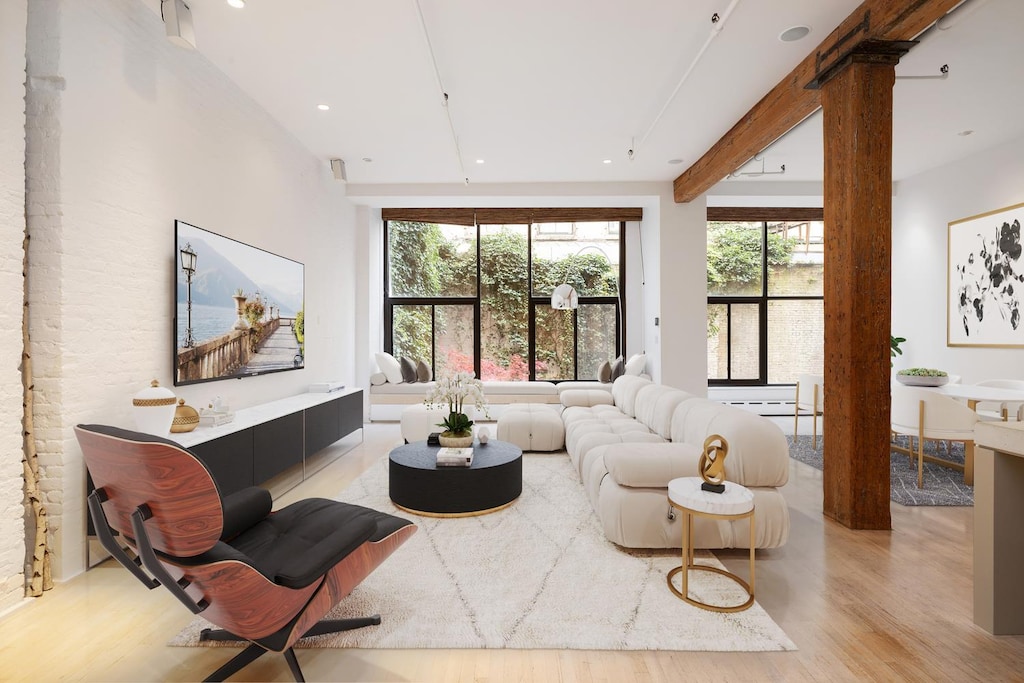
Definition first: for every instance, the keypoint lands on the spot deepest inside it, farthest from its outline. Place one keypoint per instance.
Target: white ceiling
(546, 90)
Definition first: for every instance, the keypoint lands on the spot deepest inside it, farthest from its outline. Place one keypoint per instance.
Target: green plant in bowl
(922, 372)
(922, 377)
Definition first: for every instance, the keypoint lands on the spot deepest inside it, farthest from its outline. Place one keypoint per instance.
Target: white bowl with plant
(922, 377)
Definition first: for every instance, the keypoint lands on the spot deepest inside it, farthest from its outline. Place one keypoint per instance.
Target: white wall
(13, 15)
(683, 290)
(138, 133)
(923, 206)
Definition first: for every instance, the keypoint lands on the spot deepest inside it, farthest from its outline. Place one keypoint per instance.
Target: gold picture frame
(985, 280)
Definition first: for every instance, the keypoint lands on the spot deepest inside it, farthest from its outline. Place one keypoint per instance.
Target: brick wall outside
(12, 229)
(796, 331)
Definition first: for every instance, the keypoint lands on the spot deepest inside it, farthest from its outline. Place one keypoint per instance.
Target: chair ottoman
(419, 420)
(532, 427)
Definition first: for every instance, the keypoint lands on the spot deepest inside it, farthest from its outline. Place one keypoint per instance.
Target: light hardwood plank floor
(883, 606)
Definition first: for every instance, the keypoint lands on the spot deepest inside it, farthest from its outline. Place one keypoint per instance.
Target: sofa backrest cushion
(758, 450)
(624, 392)
(655, 405)
(390, 366)
(585, 397)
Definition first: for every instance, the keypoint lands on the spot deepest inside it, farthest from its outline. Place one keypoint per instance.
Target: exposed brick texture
(12, 230)
(126, 133)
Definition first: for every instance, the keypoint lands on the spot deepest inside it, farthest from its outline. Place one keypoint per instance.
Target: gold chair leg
(920, 462)
(969, 463)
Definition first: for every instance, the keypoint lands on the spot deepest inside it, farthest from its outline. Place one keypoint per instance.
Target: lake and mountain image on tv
(239, 309)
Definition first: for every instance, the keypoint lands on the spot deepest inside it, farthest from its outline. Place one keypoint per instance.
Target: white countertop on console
(249, 417)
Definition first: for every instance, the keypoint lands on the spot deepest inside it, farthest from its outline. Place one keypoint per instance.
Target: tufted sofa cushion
(758, 450)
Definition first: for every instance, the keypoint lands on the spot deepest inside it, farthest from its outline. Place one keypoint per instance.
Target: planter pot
(922, 381)
(455, 441)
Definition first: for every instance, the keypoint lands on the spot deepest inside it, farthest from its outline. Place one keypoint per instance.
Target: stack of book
(454, 457)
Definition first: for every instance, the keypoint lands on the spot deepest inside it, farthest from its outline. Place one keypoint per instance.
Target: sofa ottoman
(532, 427)
(419, 420)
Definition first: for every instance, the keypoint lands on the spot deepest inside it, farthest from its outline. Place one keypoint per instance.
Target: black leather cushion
(408, 371)
(301, 542)
(244, 509)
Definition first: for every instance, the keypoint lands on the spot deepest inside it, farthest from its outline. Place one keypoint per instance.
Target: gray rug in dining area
(942, 485)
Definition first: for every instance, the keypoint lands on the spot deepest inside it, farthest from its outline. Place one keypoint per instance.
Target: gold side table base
(688, 563)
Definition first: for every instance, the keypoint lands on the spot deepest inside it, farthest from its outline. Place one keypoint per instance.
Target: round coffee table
(416, 484)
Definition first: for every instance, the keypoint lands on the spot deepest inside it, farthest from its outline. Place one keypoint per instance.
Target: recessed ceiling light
(367, 159)
(675, 161)
(794, 33)
(479, 161)
(237, 4)
(323, 107)
(965, 133)
(607, 161)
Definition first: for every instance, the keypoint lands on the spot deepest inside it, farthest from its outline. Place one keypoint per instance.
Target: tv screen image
(239, 310)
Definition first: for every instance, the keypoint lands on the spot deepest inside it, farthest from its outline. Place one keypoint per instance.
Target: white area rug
(537, 575)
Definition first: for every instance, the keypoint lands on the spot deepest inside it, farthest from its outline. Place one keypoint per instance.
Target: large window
(474, 293)
(765, 295)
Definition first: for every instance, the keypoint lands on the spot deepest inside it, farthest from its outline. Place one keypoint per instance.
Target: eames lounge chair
(931, 416)
(265, 577)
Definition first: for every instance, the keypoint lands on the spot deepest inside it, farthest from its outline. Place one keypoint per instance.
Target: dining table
(975, 394)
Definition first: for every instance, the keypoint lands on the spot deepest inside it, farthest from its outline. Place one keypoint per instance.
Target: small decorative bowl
(922, 380)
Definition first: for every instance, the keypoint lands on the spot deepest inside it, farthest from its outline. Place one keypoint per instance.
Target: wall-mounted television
(239, 310)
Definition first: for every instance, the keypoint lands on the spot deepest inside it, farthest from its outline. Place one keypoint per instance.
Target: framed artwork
(986, 280)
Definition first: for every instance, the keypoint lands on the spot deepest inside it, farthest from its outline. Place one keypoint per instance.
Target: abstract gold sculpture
(712, 463)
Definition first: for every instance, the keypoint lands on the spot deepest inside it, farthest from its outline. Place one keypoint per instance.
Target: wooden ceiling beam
(795, 97)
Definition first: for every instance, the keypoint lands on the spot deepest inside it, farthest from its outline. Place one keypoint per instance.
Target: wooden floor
(859, 605)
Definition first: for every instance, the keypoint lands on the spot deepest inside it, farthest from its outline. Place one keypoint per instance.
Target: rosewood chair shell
(214, 553)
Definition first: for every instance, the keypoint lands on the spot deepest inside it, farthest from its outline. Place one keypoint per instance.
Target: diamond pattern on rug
(537, 575)
(942, 485)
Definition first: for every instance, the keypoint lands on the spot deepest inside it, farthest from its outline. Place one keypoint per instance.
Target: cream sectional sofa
(627, 445)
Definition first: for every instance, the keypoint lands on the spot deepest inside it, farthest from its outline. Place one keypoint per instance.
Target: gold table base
(688, 563)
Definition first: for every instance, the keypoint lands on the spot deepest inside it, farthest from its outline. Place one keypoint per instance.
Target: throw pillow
(378, 378)
(636, 364)
(390, 366)
(408, 371)
(423, 372)
(618, 368)
(604, 373)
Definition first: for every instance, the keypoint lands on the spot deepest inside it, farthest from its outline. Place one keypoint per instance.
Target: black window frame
(534, 299)
(765, 216)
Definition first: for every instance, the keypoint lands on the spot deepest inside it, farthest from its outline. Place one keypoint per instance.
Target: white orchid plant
(456, 392)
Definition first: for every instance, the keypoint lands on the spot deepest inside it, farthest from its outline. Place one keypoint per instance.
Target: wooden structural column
(856, 98)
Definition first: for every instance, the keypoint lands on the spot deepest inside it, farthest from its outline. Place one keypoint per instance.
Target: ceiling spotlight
(675, 161)
(237, 4)
(607, 161)
(479, 161)
(323, 107)
(794, 33)
(367, 159)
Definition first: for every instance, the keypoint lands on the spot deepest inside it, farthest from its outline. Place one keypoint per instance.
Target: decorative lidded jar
(186, 418)
(153, 409)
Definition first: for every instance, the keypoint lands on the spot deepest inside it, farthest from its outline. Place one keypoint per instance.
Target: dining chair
(810, 395)
(930, 416)
(1001, 410)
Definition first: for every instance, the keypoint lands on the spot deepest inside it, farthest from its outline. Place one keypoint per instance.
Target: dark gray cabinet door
(229, 459)
(277, 445)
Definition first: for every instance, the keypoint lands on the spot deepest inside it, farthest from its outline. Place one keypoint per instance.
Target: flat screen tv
(238, 309)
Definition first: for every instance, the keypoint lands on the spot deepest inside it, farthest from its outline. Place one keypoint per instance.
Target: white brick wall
(12, 230)
(134, 133)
